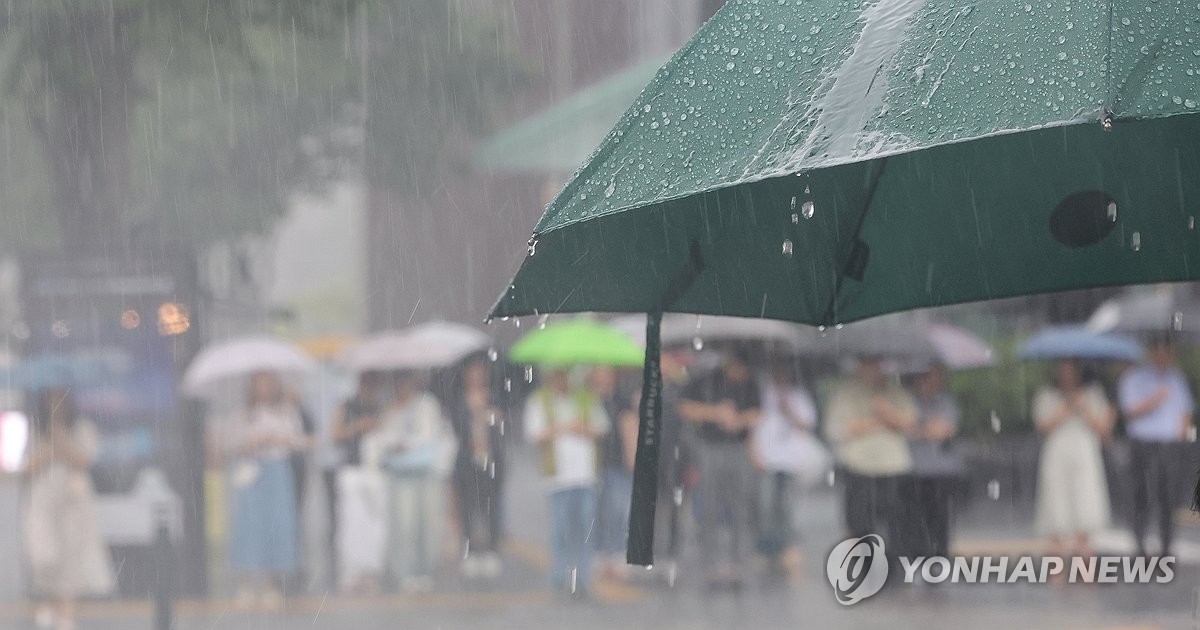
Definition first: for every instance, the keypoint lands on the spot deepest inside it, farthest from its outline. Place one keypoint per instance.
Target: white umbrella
(913, 341)
(430, 345)
(680, 329)
(238, 358)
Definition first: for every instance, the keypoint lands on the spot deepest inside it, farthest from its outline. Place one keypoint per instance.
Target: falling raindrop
(1191, 223)
(787, 247)
(508, 384)
(528, 373)
(807, 209)
(993, 490)
(492, 354)
(542, 321)
(995, 422)
(1135, 241)
(678, 498)
(697, 343)
(1191, 433)
(492, 419)
(839, 326)
(1112, 211)
(1177, 321)
(829, 477)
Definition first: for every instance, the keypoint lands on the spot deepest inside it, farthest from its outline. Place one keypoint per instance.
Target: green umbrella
(823, 161)
(826, 161)
(579, 341)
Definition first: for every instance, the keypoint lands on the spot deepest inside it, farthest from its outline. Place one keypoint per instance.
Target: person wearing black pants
(1157, 406)
(479, 467)
(935, 468)
(868, 422)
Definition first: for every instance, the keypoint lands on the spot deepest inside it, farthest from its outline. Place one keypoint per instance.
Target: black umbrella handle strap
(640, 550)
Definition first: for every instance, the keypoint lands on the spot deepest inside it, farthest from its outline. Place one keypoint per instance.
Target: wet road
(520, 600)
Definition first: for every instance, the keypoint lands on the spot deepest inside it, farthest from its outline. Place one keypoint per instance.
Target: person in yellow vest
(567, 426)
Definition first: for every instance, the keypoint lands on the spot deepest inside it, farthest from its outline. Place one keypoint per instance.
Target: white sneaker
(472, 567)
(490, 565)
(43, 617)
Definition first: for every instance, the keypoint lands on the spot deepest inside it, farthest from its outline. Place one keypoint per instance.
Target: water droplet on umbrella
(808, 209)
(787, 247)
(1135, 241)
(795, 218)
(993, 490)
(533, 241)
(697, 344)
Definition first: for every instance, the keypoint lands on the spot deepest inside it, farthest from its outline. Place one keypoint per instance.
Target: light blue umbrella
(1077, 342)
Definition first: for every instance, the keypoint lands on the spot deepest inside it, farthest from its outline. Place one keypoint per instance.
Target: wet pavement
(520, 599)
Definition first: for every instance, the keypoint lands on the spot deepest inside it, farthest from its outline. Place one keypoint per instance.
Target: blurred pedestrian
(616, 482)
(264, 532)
(936, 468)
(869, 420)
(567, 425)
(357, 495)
(479, 467)
(783, 446)
(1157, 404)
(416, 447)
(1072, 495)
(724, 406)
(67, 557)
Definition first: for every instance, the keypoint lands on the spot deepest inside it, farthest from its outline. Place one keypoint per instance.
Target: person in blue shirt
(1157, 404)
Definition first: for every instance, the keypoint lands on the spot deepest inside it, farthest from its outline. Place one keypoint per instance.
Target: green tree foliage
(169, 119)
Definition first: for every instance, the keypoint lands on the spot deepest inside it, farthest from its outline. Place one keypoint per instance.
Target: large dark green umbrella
(823, 161)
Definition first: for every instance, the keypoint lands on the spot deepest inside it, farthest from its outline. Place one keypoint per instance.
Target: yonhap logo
(857, 568)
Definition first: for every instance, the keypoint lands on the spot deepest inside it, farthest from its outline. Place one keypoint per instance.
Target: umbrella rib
(827, 318)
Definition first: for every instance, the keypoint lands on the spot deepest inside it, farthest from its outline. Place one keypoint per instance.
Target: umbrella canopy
(679, 329)
(237, 358)
(825, 161)
(429, 345)
(1076, 342)
(578, 341)
(1146, 310)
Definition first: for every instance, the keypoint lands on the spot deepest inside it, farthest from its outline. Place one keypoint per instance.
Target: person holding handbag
(416, 448)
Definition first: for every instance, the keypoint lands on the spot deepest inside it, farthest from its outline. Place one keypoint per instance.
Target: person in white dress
(67, 556)
(1072, 495)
